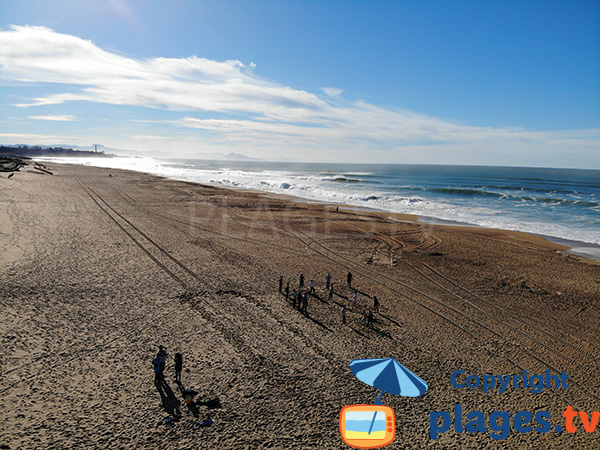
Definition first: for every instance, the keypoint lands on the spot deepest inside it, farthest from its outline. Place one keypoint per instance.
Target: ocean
(560, 204)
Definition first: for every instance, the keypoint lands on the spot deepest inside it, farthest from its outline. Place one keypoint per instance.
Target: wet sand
(101, 266)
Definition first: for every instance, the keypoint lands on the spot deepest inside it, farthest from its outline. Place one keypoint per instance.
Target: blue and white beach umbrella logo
(374, 426)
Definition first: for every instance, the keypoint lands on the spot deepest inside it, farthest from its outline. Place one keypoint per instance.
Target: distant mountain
(221, 157)
(159, 154)
(99, 149)
(238, 157)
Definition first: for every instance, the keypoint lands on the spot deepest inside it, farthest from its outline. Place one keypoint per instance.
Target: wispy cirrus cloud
(58, 118)
(332, 92)
(238, 107)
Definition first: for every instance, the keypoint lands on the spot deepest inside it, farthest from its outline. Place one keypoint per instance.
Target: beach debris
(43, 170)
(206, 423)
(11, 163)
(189, 395)
(169, 420)
(215, 403)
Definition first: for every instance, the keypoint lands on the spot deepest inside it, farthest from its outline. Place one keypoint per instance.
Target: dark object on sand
(188, 395)
(206, 423)
(43, 170)
(215, 403)
(170, 420)
(11, 163)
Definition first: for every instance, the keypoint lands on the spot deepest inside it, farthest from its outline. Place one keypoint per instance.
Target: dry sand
(100, 266)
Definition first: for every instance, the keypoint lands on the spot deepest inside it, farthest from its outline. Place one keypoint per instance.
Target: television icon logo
(367, 426)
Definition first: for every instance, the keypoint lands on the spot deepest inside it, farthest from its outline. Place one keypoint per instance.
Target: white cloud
(332, 92)
(38, 54)
(63, 118)
(274, 116)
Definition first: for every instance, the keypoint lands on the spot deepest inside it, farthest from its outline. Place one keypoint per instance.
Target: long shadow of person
(170, 402)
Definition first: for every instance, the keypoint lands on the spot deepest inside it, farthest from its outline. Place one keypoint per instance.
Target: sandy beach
(99, 267)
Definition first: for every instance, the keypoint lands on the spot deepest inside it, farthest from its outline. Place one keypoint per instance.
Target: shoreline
(586, 250)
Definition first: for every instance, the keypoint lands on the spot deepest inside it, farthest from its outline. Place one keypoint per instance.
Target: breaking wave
(543, 205)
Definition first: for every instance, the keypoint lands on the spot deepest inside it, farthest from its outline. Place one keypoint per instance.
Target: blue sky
(446, 82)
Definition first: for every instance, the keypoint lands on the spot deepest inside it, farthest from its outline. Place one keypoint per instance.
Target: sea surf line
(554, 203)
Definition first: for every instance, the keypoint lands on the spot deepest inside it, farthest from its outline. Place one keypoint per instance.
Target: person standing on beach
(287, 291)
(162, 356)
(344, 315)
(301, 281)
(375, 304)
(330, 292)
(281, 283)
(355, 300)
(312, 287)
(349, 278)
(157, 374)
(328, 281)
(178, 367)
(294, 295)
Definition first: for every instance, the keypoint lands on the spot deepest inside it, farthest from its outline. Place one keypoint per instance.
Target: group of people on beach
(159, 363)
(299, 297)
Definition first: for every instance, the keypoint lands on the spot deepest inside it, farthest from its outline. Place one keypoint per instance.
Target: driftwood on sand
(11, 163)
(43, 170)
(14, 163)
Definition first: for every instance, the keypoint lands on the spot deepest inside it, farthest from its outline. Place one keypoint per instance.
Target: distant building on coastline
(36, 150)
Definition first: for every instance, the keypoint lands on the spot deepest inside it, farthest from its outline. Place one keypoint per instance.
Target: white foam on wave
(318, 187)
